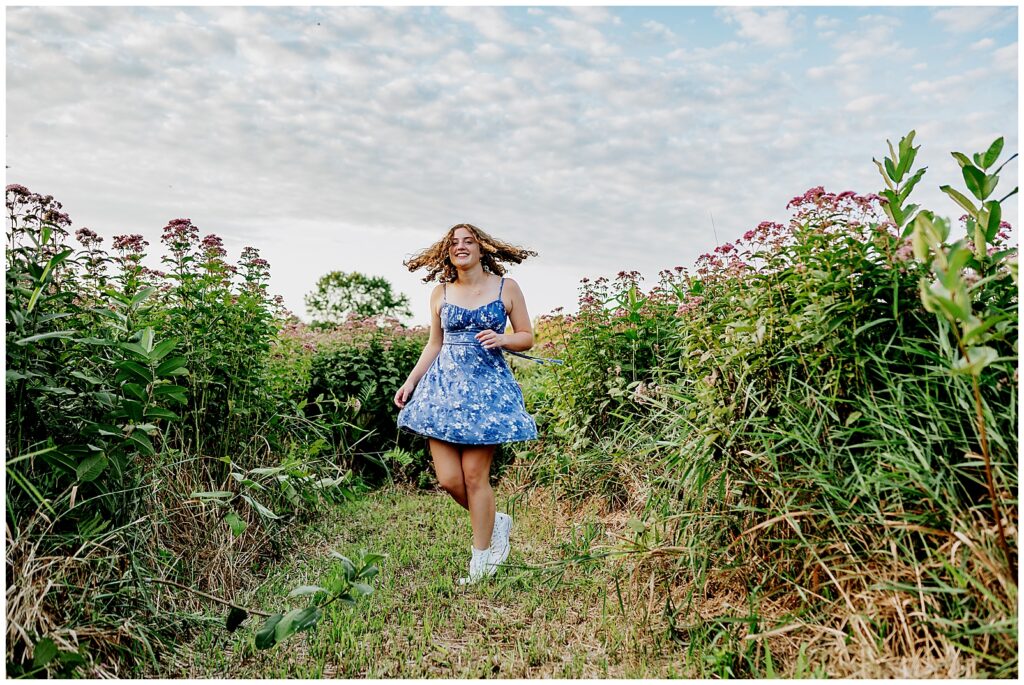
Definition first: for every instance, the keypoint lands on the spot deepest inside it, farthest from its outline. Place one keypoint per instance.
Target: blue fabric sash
(467, 336)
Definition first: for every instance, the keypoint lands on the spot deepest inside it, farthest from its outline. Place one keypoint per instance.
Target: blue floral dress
(468, 395)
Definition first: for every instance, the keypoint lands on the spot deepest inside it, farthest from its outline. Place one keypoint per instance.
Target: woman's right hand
(403, 394)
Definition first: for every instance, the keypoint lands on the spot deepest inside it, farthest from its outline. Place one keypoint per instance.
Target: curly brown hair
(492, 252)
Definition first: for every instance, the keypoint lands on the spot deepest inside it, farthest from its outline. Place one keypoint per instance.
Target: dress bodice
(491, 315)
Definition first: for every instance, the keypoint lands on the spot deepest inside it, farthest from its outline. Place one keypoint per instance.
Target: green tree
(341, 294)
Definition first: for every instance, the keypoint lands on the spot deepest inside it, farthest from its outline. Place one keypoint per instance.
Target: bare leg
(476, 471)
(448, 467)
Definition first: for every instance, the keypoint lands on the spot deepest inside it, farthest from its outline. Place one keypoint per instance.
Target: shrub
(817, 419)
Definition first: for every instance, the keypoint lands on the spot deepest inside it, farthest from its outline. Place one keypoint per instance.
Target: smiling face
(464, 252)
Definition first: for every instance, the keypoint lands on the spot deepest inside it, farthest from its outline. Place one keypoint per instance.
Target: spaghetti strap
(500, 286)
(444, 291)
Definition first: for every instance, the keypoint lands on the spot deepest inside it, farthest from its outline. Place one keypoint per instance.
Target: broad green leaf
(137, 391)
(895, 212)
(266, 470)
(958, 257)
(961, 158)
(260, 509)
(141, 441)
(902, 165)
(147, 340)
(141, 296)
(304, 590)
(636, 525)
(134, 348)
(908, 211)
(891, 170)
(346, 563)
(989, 185)
(135, 370)
(938, 299)
(236, 523)
(161, 413)
(174, 392)
(285, 628)
(266, 635)
(980, 357)
(372, 558)
(307, 618)
(247, 482)
(924, 238)
(91, 468)
(44, 652)
(995, 215)
(906, 142)
(235, 618)
(18, 375)
(87, 378)
(975, 330)
(162, 349)
(883, 174)
(45, 336)
(911, 182)
(362, 589)
(213, 494)
(169, 366)
(992, 154)
(975, 180)
(960, 199)
(911, 156)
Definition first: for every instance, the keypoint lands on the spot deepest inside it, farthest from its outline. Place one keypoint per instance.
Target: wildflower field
(796, 457)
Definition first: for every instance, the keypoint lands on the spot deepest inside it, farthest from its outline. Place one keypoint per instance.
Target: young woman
(461, 394)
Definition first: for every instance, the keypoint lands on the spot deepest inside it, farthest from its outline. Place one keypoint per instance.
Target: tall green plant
(955, 290)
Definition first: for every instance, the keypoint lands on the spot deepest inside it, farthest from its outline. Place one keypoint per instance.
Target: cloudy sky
(345, 138)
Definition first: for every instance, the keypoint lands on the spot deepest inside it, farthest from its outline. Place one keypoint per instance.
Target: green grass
(539, 617)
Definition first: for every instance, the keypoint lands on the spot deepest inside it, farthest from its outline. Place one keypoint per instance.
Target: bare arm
(515, 304)
(430, 350)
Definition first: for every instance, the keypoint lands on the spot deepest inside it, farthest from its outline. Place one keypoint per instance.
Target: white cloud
(593, 15)
(825, 22)
(1005, 58)
(659, 30)
(949, 89)
(314, 132)
(490, 22)
(983, 44)
(968, 19)
(582, 36)
(865, 103)
(769, 27)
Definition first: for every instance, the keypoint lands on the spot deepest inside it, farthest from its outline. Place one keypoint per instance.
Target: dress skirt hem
(448, 439)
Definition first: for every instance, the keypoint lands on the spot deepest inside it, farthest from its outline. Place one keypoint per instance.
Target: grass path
(531, 620)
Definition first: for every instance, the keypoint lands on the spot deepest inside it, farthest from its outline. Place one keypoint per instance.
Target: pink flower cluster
(88, 238)
(356, 331)
(213, 247)
(689, 304)
(180, 235)
(817, 197)
(131, 244)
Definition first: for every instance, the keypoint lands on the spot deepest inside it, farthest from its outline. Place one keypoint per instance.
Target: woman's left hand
(491, 340)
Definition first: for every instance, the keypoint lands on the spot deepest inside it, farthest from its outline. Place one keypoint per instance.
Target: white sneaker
(479, 567)
(500, 545)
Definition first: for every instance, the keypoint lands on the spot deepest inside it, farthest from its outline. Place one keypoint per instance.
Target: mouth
(461, 254)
